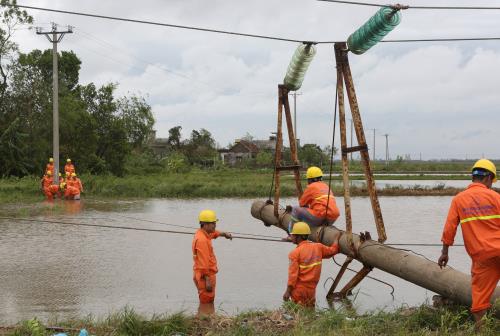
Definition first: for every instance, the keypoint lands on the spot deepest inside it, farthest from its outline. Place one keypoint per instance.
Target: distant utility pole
(295, 94)
(351, 137)
(55, 37)
(374, 130)
(386, 149)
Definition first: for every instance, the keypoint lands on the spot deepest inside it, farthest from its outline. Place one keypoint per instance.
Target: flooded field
(49, 270)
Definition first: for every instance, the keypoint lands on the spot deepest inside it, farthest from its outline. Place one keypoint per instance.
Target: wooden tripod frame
(344, 76)
(278, 157)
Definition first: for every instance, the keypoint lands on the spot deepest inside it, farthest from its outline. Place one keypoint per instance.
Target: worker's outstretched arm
(330, 251)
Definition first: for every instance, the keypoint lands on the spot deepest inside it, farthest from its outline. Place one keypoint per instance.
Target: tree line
(98, 130)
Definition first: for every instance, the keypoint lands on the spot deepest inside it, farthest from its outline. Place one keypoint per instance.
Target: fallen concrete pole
(446, 282)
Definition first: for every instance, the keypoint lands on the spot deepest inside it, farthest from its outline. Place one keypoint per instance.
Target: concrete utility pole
(386, 149)
(55, 37)
(295, 94)
(447, 282)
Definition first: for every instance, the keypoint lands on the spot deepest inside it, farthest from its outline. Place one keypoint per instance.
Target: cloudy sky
(438, 100)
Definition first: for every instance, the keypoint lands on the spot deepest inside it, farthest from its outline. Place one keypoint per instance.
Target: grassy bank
(290, 320)
(197, 184)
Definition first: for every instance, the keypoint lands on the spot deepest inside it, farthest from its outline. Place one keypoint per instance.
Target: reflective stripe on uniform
(465, 220)
(310, 265)
(321, 197)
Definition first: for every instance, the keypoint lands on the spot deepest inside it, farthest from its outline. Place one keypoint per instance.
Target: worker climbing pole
(293, 81)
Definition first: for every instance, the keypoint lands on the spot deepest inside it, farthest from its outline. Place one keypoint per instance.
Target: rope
(191, 227)
(370, 277)
(124, 228)
(331, 155)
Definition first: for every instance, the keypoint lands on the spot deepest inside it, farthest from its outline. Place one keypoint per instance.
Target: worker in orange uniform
(477, 210)
(72, 188)
(78, 183)
(50, 166)
(304, 269)
(68, 167)
(48, 188)
(205, 263)
(317, 204)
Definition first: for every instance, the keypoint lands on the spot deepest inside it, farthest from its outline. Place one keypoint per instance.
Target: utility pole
(295, 94)
(374, 130)
(386, 149)
(351, 138)
(55, 37)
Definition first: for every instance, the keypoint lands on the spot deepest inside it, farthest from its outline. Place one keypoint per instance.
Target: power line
(268, 37)
(158, 23)
(358, 3)
(125, 228)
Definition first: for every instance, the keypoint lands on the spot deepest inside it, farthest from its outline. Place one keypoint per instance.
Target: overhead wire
(371, 4)
(125, 228)
(268, 37)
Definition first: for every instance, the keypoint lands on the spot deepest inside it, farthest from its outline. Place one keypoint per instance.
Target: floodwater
(55, 271)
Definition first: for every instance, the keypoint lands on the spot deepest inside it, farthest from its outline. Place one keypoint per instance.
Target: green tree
(311, 154)
(200, 148)
(174, 138)
(137, 119)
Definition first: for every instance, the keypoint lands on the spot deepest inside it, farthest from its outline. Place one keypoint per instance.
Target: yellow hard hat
(62, 185)
(68, 173)
(51, 160)
(207, 216)
(73, 174)
(301, 228)
(48, 172)
(68, 160)
(59, 174)
(313, 172)
(487, 165)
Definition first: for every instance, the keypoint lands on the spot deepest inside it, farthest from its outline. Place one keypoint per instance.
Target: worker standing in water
(317, 204)
(205, 262)
(50, 166)
(477, 210)
(304, 269)
(68, 167)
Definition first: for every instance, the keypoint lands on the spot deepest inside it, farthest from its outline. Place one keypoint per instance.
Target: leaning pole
(446, 282)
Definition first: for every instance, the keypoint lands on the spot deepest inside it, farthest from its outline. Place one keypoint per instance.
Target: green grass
(289, 320)
(224, 183)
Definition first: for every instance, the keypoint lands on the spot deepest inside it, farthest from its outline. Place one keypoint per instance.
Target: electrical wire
(268, 37)
(358, 3)
(191, 227)
(125, 228)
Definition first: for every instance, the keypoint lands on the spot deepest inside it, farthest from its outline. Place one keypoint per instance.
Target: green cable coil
(298, 66)
(374, 30)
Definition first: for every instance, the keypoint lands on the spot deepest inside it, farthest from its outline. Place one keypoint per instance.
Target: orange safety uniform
(69, 168)
(48, 188)
(72, 189)
(79, 184)
(477, 209)
(315, 198)
(50, 167)
(304, 270)
(205, 264)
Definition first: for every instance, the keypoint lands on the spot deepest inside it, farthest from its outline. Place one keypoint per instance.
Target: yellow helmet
(59, 174)
(68, 160)
(207, 216)
(51, 160)
(487, 165)
(68, 174)
(73, 174)
(313, 172)
(48, 172)
(62, 185)
(301, 228)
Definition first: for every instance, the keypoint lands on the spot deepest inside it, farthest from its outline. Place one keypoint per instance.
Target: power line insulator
(298, 66)
(374, 30)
